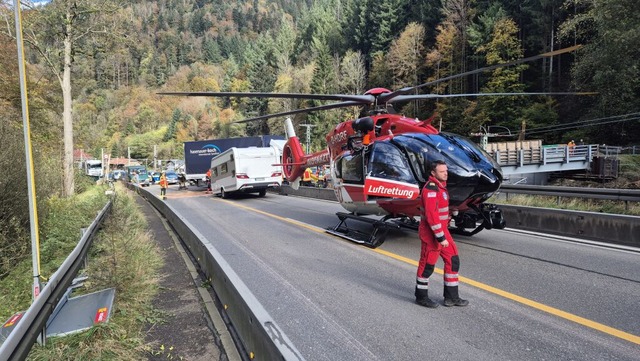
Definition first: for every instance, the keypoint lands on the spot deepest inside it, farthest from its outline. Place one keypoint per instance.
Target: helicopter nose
(490, 176)
(489, 180)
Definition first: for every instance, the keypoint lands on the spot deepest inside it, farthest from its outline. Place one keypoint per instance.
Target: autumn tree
(607, 64)
(405, 56)
(503, 47)
(56, 32)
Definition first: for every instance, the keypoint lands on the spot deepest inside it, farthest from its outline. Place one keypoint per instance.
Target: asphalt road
(531, 297)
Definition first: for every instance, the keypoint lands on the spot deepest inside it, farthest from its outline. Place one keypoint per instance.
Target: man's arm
(430, 204)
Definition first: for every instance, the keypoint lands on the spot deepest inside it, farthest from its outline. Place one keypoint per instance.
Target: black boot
(422, 298)
(451, 297)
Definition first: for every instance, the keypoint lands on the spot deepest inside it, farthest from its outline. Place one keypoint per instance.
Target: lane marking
(508, 295)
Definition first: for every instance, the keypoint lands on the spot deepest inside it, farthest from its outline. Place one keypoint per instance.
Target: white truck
(93, 168)
(247, 170)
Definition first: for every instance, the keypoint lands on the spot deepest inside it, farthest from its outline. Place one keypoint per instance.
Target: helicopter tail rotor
(293, 157)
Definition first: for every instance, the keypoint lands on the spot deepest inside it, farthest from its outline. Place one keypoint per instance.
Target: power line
(581, 124)
(584, 125)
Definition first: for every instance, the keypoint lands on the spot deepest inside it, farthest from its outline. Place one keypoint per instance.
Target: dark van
(141, 171)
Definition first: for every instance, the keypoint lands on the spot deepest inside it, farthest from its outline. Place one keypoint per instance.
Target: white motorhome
(248, 170)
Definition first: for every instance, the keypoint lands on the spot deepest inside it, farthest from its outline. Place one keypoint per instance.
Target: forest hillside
(94, 70)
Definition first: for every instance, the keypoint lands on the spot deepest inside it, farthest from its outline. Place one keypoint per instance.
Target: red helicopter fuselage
(378, 165)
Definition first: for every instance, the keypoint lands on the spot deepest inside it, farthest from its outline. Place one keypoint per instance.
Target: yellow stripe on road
(525, 301)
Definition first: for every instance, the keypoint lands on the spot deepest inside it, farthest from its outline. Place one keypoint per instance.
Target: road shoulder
(185, 330)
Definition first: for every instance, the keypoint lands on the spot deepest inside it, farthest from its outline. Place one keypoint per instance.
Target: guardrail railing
(612, 194)
(601, 227)
(32, 323)
(257, 332)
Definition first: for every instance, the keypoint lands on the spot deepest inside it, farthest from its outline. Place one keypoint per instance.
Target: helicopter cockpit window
(427, 148)
(387, 161)
(350, 169)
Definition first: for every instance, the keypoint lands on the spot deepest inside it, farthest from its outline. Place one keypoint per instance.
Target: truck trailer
(198, 154)
(245, 170)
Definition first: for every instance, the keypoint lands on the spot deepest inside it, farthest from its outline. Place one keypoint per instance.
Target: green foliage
(171, 130)
(59, 233)
(123, 257)
(608, 64)
(141, 145)
(503, 46)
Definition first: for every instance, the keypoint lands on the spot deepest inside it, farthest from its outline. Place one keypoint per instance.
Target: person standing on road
(163, 185)
(436, 240)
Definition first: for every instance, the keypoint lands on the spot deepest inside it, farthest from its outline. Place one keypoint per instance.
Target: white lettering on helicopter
(336, 138)
(318, 159)
(395, 192)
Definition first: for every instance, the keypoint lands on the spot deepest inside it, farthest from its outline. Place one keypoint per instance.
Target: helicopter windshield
(473, 149)
(424, 148)
(387, 161)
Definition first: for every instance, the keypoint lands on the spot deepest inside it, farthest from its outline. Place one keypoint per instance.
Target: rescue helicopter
(379, 162)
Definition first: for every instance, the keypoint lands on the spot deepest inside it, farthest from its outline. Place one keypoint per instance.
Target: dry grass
(126, 258)
(589, 205)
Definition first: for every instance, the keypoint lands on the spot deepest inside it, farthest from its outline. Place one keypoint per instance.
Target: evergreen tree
(608, 64)
(171, 130)
(503, 47)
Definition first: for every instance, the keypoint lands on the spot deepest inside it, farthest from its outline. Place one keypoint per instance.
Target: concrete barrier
(601, 227)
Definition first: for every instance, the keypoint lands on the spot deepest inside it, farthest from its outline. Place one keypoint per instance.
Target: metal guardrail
(259, 334)
(612, 194)
(32, 323)
(608, 228)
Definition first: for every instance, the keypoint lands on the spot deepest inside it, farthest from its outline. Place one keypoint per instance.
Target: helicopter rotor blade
(403, 98)
(362, 99)
(305, 110)
(388, 96)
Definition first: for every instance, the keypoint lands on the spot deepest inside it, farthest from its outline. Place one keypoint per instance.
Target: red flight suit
(432, 230)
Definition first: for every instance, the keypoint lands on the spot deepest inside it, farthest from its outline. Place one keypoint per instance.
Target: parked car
(155, 177)
(172, 177)
(117, 175)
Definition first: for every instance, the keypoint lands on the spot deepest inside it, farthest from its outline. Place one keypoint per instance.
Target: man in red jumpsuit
(437, 241)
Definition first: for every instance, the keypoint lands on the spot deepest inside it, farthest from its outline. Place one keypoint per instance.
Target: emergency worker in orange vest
(306, 177)
(163, 185)
(208, 175)
(437, 241)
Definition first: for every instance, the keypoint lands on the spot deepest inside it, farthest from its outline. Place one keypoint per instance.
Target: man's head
(439, 170)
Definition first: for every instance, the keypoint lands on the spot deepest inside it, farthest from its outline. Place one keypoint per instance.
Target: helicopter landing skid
(464, 232)
(372, 240)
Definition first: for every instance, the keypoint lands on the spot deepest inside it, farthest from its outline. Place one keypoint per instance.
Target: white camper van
(248, 170)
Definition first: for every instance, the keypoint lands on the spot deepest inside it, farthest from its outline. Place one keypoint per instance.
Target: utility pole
(308, 126)
(485, 134)
(31, 183)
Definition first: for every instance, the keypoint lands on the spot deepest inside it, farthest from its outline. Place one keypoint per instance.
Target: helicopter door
(350, 179)
(389, 174)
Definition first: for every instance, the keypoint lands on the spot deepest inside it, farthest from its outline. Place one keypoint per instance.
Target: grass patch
(629, 178)
(60, 228)
(576, 204)
(123, 256)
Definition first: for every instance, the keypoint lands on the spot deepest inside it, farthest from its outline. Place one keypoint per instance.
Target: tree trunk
(68, 186)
